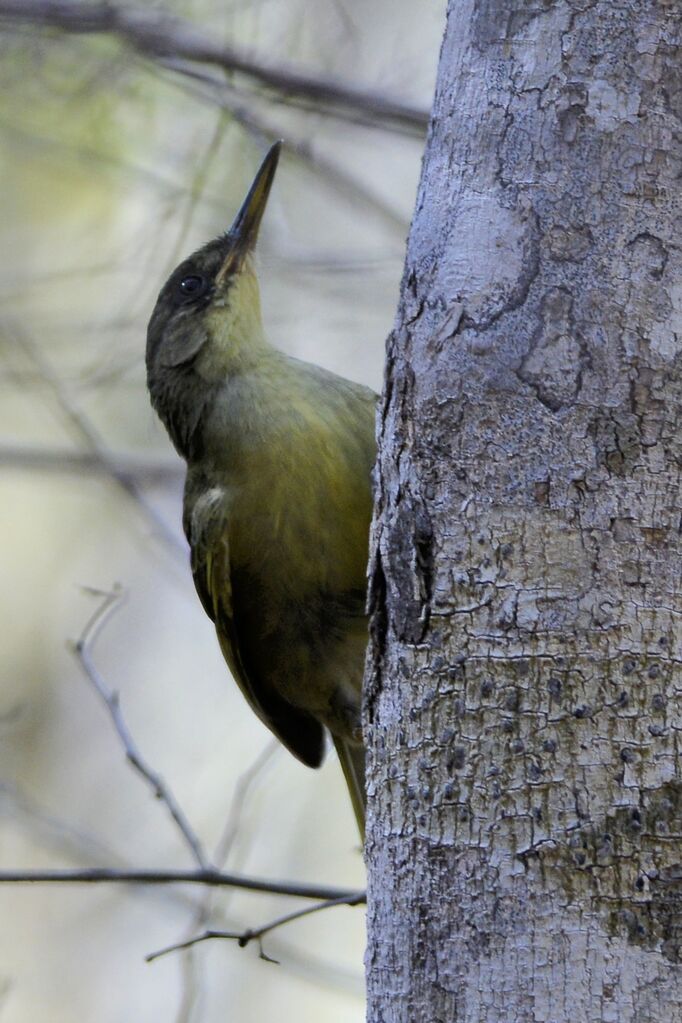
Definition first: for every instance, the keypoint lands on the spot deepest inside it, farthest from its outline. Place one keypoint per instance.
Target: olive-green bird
(277, 498)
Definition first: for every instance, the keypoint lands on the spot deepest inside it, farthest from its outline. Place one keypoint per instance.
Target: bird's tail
(352, 757)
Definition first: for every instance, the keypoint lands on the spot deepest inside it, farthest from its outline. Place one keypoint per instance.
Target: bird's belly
(301, 532)
(329, 684)
(310, 651)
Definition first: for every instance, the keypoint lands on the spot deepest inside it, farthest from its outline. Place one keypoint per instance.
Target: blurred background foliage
(115, 164)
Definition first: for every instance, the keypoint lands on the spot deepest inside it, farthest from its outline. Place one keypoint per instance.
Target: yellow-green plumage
(277, 498)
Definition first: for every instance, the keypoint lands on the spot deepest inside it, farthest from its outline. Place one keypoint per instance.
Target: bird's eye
(193, 286)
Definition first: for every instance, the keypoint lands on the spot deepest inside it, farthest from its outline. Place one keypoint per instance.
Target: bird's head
(206, 324)
(213, 295)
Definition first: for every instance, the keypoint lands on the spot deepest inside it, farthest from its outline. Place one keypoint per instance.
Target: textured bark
(523, 694)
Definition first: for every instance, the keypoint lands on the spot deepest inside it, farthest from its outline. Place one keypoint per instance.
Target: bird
(278, 495)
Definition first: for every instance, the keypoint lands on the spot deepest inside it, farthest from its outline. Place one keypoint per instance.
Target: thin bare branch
(82, 648)
(86, 432)
(158, 35)
(243, 938)
(191, 988)
(209, 87)
(119, 164)
(196, 189)
(52, 831)
(241, 790)
(185, 69)
(215, 878)
(63, 460)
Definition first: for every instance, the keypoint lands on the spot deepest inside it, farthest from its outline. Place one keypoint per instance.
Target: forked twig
(205, 874)
(243, 938)
(82, 649)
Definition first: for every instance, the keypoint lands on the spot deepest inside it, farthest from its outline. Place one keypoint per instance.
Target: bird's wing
(208, 537)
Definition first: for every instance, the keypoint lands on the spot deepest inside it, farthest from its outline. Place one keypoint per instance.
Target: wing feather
(208, 535)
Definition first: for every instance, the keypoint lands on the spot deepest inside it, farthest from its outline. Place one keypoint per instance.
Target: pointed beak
(242, 236)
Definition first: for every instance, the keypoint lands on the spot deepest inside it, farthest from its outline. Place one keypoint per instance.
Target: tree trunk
(523, 696)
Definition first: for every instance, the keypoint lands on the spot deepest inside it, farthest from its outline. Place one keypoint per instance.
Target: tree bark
(523, 711)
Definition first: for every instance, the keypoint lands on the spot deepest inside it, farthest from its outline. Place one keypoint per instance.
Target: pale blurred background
(115, 166)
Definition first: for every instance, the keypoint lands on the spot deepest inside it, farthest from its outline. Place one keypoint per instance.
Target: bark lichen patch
(571, 103)
(616, 436)
(628, 867)
(482, 226)
(647, 256)
(554, 364)
(610, 107)
(665, 911)
(569, 243)
(489, 23)
(664, 335)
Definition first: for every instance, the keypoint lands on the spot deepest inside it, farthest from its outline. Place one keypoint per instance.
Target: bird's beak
(241, 238)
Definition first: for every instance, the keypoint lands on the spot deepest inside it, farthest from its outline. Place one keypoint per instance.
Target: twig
(204, 165)
(243, 938)
(215, 878)
(239, 795)
(87, 432)
(63, 460)
(86, 154)
(159, 35)
(190, 985)
(52, 831)
(187, 69)
(210, 87)
(82, 649)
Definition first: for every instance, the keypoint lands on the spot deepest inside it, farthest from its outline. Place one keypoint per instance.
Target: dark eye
(193, 286)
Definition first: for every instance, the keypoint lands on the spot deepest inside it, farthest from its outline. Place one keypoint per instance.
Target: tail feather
(352, 757)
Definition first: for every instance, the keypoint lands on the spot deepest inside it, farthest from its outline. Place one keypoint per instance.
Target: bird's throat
(237, 340)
